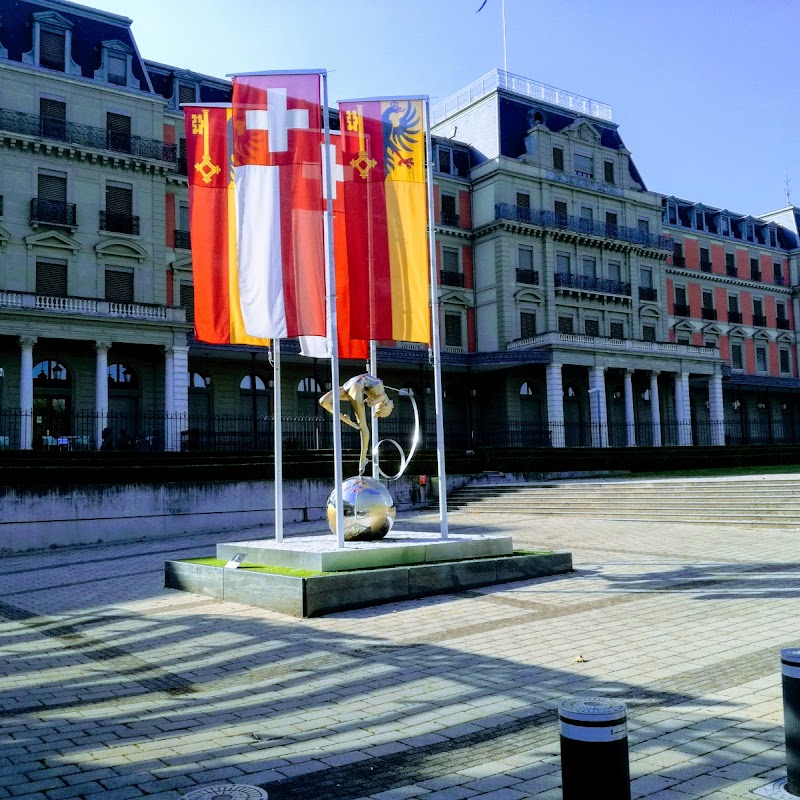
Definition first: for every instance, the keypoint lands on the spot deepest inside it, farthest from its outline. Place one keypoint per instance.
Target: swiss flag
(277, 156)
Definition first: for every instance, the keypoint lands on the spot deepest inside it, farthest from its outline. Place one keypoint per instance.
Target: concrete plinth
(320, 554)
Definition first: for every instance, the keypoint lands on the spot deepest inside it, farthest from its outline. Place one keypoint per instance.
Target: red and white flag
(277, 151)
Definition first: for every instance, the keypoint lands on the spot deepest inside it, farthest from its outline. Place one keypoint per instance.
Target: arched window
(570, 392)
(52, 404)
(198, 381)
(246, 384)
(258, 403)
(528, 390)
(52, 374)
(309, 386)
(120, 376)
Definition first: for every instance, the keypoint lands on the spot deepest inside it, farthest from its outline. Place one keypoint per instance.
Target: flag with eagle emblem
(385, 194)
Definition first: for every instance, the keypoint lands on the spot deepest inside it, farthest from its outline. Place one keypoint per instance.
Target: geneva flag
(386, 203)
(217, 313)
(277, 146)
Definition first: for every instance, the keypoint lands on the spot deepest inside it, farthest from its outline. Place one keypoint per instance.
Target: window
(562, 263)
(584, 166)
(612, 220)
(523, 200)
(730, 264)
(449, 212)
(643, 225)
(608, 171)
(737, 357)
(733, 303)
(452, 330)
(617, 330)
(678, 258)
(119, 286)
(118, 130)
(51, 277)
(560, 207)
(182, 165)
(785, 361)
(705, 259)
(615, 271)
(307, 386)
(758, 307)
(587, 213)
(186, 93)
(699, 220)
(708, 298)
(646, 277)
(558, 159)
(525, 257)
(773, 237)
(755, 270)
(589, 265)
(761, 358)
(777, 272)
(780, 310)
(449, 259)
(53, 115)
(710, 344)
(52, 49)
(51, 200)
(672, 214)
(684, 340)
(749, 232)
(183, 216)
(680, 295)
(187, 300)
(117, 70)
(445, 159)
(591, 327)
(118, 215)
(565, 325)
(246, 384)
(649, 333)
(527, 324)
(120, 376)
(725, 226)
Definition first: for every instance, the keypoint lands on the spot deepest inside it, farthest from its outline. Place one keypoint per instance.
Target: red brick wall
(691, 252)
(749, 356)
(471, 342)
(670, 296)
(718, 259)
(721, 303)
(743, 264)
(746, 307)
(694, 298)
(772, 356)
(466, 260)
(464, 210)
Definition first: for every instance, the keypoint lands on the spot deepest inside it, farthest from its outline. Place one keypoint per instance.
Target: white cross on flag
(277, 150)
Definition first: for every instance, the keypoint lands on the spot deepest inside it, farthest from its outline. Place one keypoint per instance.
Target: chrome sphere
(368, 509)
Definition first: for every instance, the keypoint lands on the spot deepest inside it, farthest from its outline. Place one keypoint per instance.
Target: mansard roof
(163, 77)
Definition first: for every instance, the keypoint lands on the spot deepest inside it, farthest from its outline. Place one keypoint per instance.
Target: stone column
(176, 395)
(170, 426)
(683, 412)
(597, 406)
(715, 407)
(100, 392)
(655, 409)
(555, 405)
(630, 421)
(26, 344)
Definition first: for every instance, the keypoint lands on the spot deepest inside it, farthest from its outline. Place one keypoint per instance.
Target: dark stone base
(327, 594)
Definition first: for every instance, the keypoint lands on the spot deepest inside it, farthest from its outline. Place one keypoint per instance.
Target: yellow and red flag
(212, 220)
(387, 216)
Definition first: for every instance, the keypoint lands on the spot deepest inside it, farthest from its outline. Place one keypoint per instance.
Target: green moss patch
(271, 570)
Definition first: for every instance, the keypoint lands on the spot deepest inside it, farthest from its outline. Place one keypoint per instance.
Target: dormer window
(52, 43)
(672, 214)
(116, 66)
(724, 226)
(117, 70)
(773, 237)
(445, 159)
(699, 220)
(52, 49)
(749, 232)
(186, 93)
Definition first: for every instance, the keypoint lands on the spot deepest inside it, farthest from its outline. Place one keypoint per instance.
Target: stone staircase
(755, 501)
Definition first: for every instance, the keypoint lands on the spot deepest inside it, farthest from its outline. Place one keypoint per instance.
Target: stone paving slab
(111, 686)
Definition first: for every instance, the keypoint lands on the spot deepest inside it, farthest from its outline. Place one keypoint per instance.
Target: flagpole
(373, 370)
(505, 48)
(435, 346)
(330, 268)
(278, 437)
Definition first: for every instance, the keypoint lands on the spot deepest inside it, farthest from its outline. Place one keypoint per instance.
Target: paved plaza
(113, 687)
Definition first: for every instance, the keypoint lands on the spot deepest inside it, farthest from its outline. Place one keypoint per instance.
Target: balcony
(755, 275)
(681, 310)
(450, 219)
(590, 284)
(528, 276)
(646, 293)
(708, 313)
(183, 240)
(678, 261)
(119, 223)
(452, 278)
(52, 212)
(84, 135)
(782, 324)
(735, 316)
(705, 266)
(759, 320)
(730, 270)
(580, 225)
(778, 280)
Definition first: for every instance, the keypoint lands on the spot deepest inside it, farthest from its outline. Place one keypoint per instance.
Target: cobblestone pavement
(111, 686)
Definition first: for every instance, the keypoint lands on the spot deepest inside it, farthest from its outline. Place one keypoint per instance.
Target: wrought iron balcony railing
(779, 281)
(782, 324)
(85, 135)
(452, 278)
(678, 261)
(755, 275)
(760, 320)
(681, 310)
(183, 240)
(450, 219)
(549, 219)
(735, 316)
(730, 270)
(705, 266)
(52, 212)
(708, 313)
(528, 276)
(588, 283)
(119, 223)
(646, 293)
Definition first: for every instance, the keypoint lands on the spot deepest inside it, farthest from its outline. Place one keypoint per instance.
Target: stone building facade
(578, 308)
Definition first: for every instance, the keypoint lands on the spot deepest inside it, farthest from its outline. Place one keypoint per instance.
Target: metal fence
(148, 432)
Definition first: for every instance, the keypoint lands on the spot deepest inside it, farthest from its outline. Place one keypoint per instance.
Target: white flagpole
(373, 370)
(435, 347)
(278, 438)
(330, 269)
(505, 48)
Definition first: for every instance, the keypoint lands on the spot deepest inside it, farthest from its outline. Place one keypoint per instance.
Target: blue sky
(704, 91)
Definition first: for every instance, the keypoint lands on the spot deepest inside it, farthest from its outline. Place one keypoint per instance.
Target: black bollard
(790, 675)
(594, 749)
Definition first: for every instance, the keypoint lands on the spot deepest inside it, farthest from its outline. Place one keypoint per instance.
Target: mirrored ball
(369, 509)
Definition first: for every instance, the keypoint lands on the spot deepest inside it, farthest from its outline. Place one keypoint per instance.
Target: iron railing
(183, 240)
(681, 310)
(735, 316)
(731, 271)
(119, 223)
(782, 324)
(708, 313)
(528, 276)
(705, 265)
(759, 320)
(452, 278)
(450, 219)
(549, 219)
(646, 293)
(755, 275)
(779, 281)
(591, 284)
(678, 261)
(53, 212)
(85, 135)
